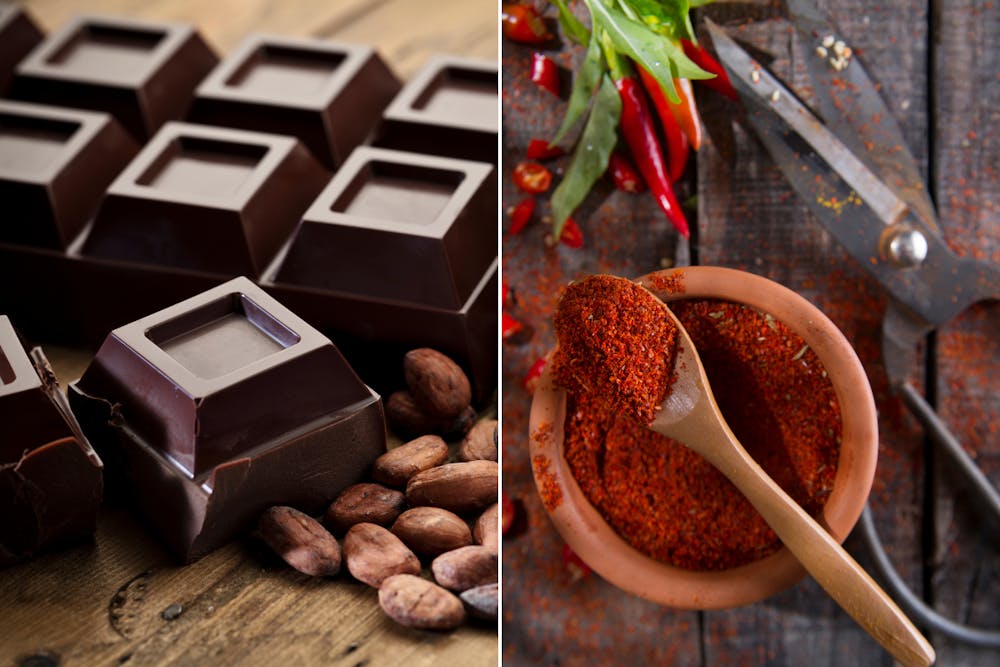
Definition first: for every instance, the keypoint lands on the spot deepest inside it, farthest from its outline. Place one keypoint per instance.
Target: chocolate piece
(221, 406)
(55, 165)
(400, 226)
(206, 198)
(328, 94)
(142, 73)
(50, 478)
(18, 36)
(449, 108)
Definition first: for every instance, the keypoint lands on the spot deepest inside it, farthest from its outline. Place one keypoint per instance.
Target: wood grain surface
(937, 66)
(121, 599)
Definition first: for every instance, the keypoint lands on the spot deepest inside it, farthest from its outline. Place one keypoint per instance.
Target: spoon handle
(824, 558)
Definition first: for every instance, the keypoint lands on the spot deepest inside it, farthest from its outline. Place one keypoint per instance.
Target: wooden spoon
(690, 415)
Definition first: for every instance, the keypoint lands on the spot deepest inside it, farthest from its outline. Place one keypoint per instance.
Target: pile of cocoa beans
(422, 507)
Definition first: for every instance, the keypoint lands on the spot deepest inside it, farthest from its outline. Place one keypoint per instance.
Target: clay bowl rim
(610, 556)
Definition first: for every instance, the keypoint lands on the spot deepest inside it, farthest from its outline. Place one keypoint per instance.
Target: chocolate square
(18, 36)
(450, 108)
(55, 165)
(50, 478)
(222, 405)
(142, 73)
(400, 226)
(328, 94)
(206, 198)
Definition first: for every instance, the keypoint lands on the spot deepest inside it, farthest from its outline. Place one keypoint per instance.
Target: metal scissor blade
(852, 108)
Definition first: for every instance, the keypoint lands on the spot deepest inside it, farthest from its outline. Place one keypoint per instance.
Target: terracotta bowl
(609, 555)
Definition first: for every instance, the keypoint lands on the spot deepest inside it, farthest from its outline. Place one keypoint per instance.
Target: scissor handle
(984, 494)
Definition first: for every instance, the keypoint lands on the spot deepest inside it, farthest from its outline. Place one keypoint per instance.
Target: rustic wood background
(938, 65)
(102, 603)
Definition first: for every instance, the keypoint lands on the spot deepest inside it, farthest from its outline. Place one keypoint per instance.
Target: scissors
(849, 163)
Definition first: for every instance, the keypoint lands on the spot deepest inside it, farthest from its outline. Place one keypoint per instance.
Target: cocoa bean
(418, 603)
(457, 487)
(364, 503)
(408, 419)
(485, 531)
(465, 568)
(437, 383)
(482, 601)
(397, 466)
(479, 444)
(301, 541)
(373, 554)
(430, 531)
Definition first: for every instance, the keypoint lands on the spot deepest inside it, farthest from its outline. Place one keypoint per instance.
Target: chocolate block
(206, 198)
(400, 226)
(142, 73)
(55, 165)
(18, 36)
(50, 478)
(328, 94)
(223, 405)
(450, 108)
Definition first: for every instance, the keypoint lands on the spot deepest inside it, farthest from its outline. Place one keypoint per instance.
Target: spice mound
(616, 340)
(666, 500)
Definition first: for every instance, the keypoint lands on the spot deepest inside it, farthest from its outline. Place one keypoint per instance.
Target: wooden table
(103, 603)
(939, 76)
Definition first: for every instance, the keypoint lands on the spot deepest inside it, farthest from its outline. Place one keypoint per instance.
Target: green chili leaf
(656, 53)
(571, 25)
(664, 18)
(588, 76)
(590, 158)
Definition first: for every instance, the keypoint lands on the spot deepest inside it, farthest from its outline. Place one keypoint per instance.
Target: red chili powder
(617, 340)
(666, 500)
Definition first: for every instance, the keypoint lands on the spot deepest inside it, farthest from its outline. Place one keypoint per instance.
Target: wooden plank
(751, 219)
(965, 568)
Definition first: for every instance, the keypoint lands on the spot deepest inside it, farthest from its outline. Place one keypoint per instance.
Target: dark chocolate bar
(223, 405)
(18, 36)
(55, 165)
(450, 108)
(207, 198)
(328, 94)
(142, 73)
(400, 226)
(50, 478)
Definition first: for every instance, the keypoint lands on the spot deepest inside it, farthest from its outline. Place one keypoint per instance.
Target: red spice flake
(539, 149)
(507, 513)
(666, 500)
(671, 283)
(521, 214)
(615, 340)
(548, 485)
(571, 234)
(533, 376)
(509, 326)
(574, 564)
(532, 177)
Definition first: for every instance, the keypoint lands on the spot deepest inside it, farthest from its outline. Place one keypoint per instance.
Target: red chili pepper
(640, 134)
(571, 234)
(521, 214)
(574, 564)
(686, 112)
(530, 381)
(703, 59)
(545, 73)
(532, 177)
(505, 293)
(677, 143)
(625, 176)
(507, 511)
(523, 23)
(539, 149)
(509, 327)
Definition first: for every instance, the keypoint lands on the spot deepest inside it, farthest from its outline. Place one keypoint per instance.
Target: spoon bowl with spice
(623, 353)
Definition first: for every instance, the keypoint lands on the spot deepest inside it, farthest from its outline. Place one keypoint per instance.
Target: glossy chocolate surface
(226, 404)
(142, 73)
(449, 108)
(55, 165)
(400, 226)
(50, 478)
(328, 94)
(206, 198)
(18, 36)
